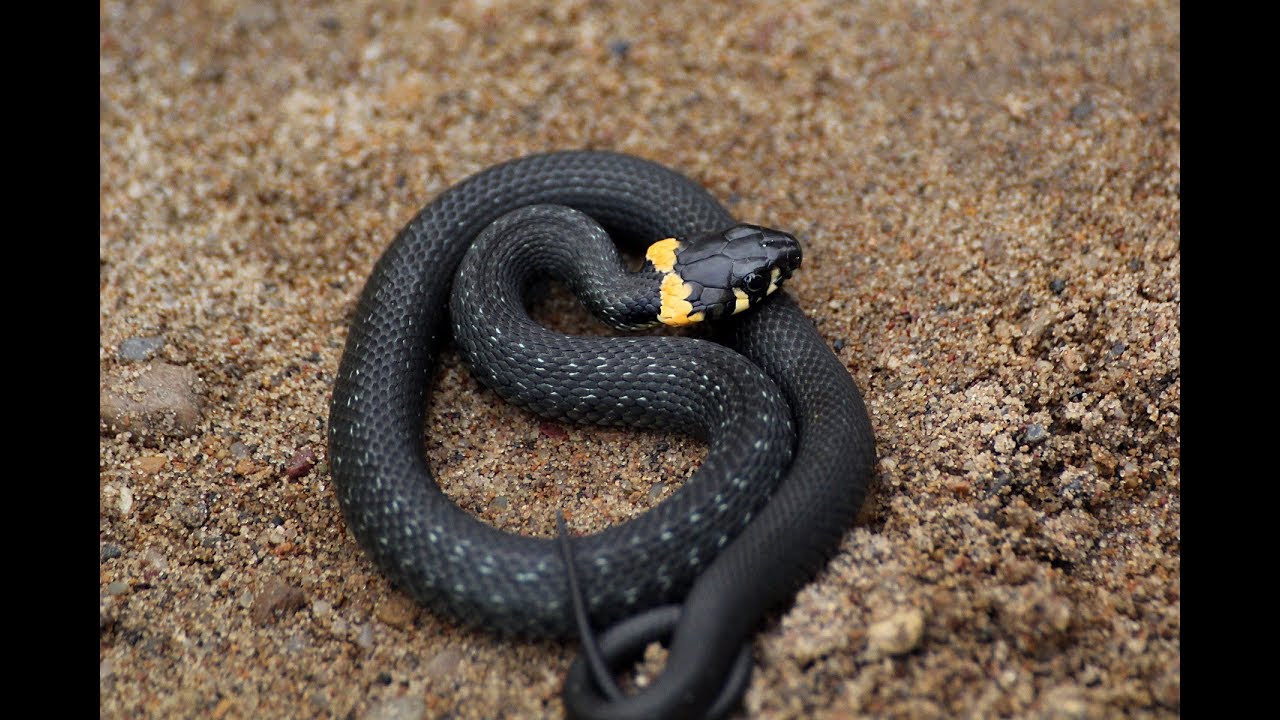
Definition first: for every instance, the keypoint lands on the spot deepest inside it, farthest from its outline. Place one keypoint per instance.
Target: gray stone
(160, 402)
(136, 349)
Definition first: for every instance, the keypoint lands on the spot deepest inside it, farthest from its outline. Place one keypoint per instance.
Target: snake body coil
(454, 563)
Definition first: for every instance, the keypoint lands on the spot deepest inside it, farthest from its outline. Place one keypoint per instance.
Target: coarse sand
(989, 198)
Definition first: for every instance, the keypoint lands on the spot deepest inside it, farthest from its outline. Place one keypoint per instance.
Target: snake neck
(531, 249)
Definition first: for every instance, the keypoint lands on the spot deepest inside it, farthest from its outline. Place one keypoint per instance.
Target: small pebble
(364, 638)
(117, 588)
(136, 349)
(407, 707)
(655, 492)
(152, 464)
(301, 463)
(1003, 443)
(275, 601)
(443, 666)
(898, 635)
(111, 551)
(1035, 433)
(161, 402)
(154, 560)
(397, 611)
(619, 48)
(193, 515)
(1057, 286)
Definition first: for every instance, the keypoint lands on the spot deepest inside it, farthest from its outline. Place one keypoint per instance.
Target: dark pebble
(1057, 286)
(111, 551)
(301, 463)
(619, 48)
(1035, 433)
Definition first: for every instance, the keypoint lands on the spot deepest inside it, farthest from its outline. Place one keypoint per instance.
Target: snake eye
(754, 282)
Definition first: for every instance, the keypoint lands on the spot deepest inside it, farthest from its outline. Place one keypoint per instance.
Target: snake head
(717, 274)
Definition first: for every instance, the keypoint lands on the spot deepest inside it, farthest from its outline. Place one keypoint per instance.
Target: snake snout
(763, 258)
(784, 250)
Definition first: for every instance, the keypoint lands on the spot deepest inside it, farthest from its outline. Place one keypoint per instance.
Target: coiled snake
(790, 447)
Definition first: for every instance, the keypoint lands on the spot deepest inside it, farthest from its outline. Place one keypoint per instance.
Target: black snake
(758, 519)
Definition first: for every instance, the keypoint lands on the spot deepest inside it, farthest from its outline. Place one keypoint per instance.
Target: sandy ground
(988, 194)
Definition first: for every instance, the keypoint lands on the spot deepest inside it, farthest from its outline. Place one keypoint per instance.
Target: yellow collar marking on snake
(676, 308)
(663, 254)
